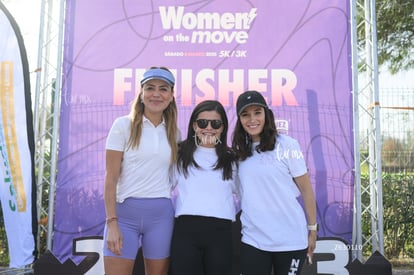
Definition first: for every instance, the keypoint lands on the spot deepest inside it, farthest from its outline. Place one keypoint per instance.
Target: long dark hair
(242, 142)
(226, 157)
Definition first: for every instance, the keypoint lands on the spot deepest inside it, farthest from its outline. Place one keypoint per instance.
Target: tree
(395, 34)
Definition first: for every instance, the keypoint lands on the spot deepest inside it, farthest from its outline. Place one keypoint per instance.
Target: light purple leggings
(146, 222)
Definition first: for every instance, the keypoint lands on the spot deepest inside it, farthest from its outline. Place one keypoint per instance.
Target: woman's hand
(312, 236)
(114, 239)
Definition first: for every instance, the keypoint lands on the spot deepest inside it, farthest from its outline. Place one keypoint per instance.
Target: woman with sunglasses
(140, 150)
(205, 185)
(277, 233)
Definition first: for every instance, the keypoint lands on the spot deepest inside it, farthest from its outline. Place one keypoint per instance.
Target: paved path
(15, 271)
(403, 272)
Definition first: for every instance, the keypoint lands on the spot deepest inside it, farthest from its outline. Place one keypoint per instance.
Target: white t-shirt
(272, 218)
(144, 170)
(204, 192)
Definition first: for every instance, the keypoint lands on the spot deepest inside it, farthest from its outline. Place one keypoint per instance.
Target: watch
(313, 227)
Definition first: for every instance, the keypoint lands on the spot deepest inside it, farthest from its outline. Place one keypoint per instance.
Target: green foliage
(395, 33)
(398, 190)
(398, 210)
(4, 255)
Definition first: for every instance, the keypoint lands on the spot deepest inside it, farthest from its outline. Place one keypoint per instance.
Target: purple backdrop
(296, 52)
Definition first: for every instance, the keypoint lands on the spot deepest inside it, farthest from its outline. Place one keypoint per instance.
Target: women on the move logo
(208, 27)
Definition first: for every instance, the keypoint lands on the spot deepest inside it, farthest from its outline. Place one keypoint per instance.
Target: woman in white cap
(277, 233)
(140, 149)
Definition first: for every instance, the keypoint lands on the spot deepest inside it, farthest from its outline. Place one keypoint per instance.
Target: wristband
(313, 227)
(109, 220)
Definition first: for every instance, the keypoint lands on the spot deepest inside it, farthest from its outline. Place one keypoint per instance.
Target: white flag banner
(16, 145)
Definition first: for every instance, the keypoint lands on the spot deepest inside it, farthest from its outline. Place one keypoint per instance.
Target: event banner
(17, 186)
(295, 52)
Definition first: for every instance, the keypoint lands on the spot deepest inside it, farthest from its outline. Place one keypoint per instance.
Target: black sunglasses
(203, 123)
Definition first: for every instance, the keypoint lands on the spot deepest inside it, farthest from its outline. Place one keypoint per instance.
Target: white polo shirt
(144, 170)
(272, 218)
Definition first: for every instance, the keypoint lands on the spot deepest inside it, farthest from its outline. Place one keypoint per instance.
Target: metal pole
(378, 176)
(357, 225)
(374, 131)
(371, 138)
(55, 133)
(37, 129)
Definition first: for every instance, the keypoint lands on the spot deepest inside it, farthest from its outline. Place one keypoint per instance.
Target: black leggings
(201, 245)
(254, 261)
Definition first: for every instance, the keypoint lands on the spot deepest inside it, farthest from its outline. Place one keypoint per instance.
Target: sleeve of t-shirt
(236, 189)
(173, 176)
(297, 164)
(173, 183)
(179, 137)
(117, 136)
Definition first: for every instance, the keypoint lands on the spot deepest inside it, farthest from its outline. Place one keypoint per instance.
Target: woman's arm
(308, 197)
(112, 172)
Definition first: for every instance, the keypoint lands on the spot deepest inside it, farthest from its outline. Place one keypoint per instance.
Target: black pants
(201, 245)
(254, 261)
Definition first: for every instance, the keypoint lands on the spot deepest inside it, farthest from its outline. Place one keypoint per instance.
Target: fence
(397, 130)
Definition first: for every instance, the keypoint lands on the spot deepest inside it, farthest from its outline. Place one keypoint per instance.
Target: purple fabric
(146, 223)
(297, 53)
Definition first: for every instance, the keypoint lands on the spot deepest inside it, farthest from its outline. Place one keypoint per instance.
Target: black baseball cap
(249, 98)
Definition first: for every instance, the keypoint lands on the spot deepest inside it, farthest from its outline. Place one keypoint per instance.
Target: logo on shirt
(281, 155)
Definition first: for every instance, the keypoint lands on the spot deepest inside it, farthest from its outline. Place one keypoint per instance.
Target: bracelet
(109, 220)
(313, 227)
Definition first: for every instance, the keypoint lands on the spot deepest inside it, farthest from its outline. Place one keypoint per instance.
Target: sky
(27, 15)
